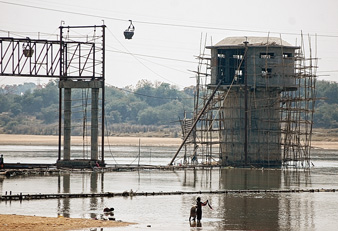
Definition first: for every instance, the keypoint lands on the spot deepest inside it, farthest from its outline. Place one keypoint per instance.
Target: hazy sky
(170, 31)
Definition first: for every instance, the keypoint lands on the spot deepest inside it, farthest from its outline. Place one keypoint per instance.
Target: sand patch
(35, 223)
(11, 139)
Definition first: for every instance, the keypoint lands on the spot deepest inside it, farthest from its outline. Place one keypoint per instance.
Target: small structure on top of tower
(262, 59)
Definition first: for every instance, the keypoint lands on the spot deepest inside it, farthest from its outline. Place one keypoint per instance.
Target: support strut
(195, 122)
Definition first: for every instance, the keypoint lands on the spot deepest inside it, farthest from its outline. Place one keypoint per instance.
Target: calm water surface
(245, 211)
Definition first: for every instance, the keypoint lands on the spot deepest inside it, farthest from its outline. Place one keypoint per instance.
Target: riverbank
(36, 223)
(329, 145)
(10, 139)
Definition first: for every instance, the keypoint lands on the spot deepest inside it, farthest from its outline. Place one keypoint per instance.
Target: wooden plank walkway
(131, 194)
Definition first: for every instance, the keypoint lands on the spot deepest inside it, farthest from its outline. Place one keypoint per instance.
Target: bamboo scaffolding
(295, 107)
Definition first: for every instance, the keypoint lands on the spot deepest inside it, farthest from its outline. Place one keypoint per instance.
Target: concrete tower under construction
(250, 69)
(256, 108)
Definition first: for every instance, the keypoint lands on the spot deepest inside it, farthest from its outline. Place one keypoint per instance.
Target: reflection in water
(93, 182)
(256, 211)
(296, 177)
(93, 189)
(239, 211)
(245, 211)
(248, 211)
(240, 179)
(195, 224)
(1, 183)
(64, 204)
(297, 213)
(202, 179)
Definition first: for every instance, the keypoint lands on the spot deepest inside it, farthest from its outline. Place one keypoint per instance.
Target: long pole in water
(139, 151)
(245, 104)
(195, 122)
(60, 95)
(103, 90)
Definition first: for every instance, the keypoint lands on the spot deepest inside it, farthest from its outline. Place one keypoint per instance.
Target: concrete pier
(67, 123)
(67, 161)
(94, 124)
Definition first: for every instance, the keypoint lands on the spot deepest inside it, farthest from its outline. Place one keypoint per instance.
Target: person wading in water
(199, 208)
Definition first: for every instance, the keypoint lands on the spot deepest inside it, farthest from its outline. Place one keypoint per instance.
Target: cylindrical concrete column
(67, 123)
(94, 124)
(263, 128)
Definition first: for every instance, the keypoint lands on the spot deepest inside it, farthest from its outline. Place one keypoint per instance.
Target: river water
(232, 211)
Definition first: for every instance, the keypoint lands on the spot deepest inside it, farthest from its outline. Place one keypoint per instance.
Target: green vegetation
(150, 109)
(326, 110)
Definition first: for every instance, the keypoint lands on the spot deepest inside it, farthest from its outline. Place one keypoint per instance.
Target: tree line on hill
(147, 108)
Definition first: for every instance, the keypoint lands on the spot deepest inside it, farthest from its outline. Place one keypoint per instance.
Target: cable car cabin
(28, 52)
(129, 32)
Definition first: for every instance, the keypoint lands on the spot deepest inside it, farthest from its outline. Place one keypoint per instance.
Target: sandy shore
(9, 139)
(35, 223)
(333, 145)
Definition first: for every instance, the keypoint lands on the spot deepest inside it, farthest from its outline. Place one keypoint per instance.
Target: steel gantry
(77, 59)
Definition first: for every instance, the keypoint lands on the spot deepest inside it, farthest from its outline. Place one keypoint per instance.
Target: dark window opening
(238, 57)
(266, 55)
(287, 55)
(230, 63)
(222, 63)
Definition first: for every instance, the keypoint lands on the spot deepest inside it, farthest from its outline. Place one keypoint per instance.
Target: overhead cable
(159, 23)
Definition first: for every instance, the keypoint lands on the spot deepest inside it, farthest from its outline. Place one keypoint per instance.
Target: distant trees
(326, 110)
(149, 107)
(148, 104)
(29, 111)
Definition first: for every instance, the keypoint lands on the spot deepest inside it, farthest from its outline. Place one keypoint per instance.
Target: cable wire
(159, 23)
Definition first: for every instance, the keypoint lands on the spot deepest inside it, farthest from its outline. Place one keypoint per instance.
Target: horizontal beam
(81, 84)
(79, 27)
(28, 40)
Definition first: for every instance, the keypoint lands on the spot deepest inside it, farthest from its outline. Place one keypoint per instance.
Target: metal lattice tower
(77, 59)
